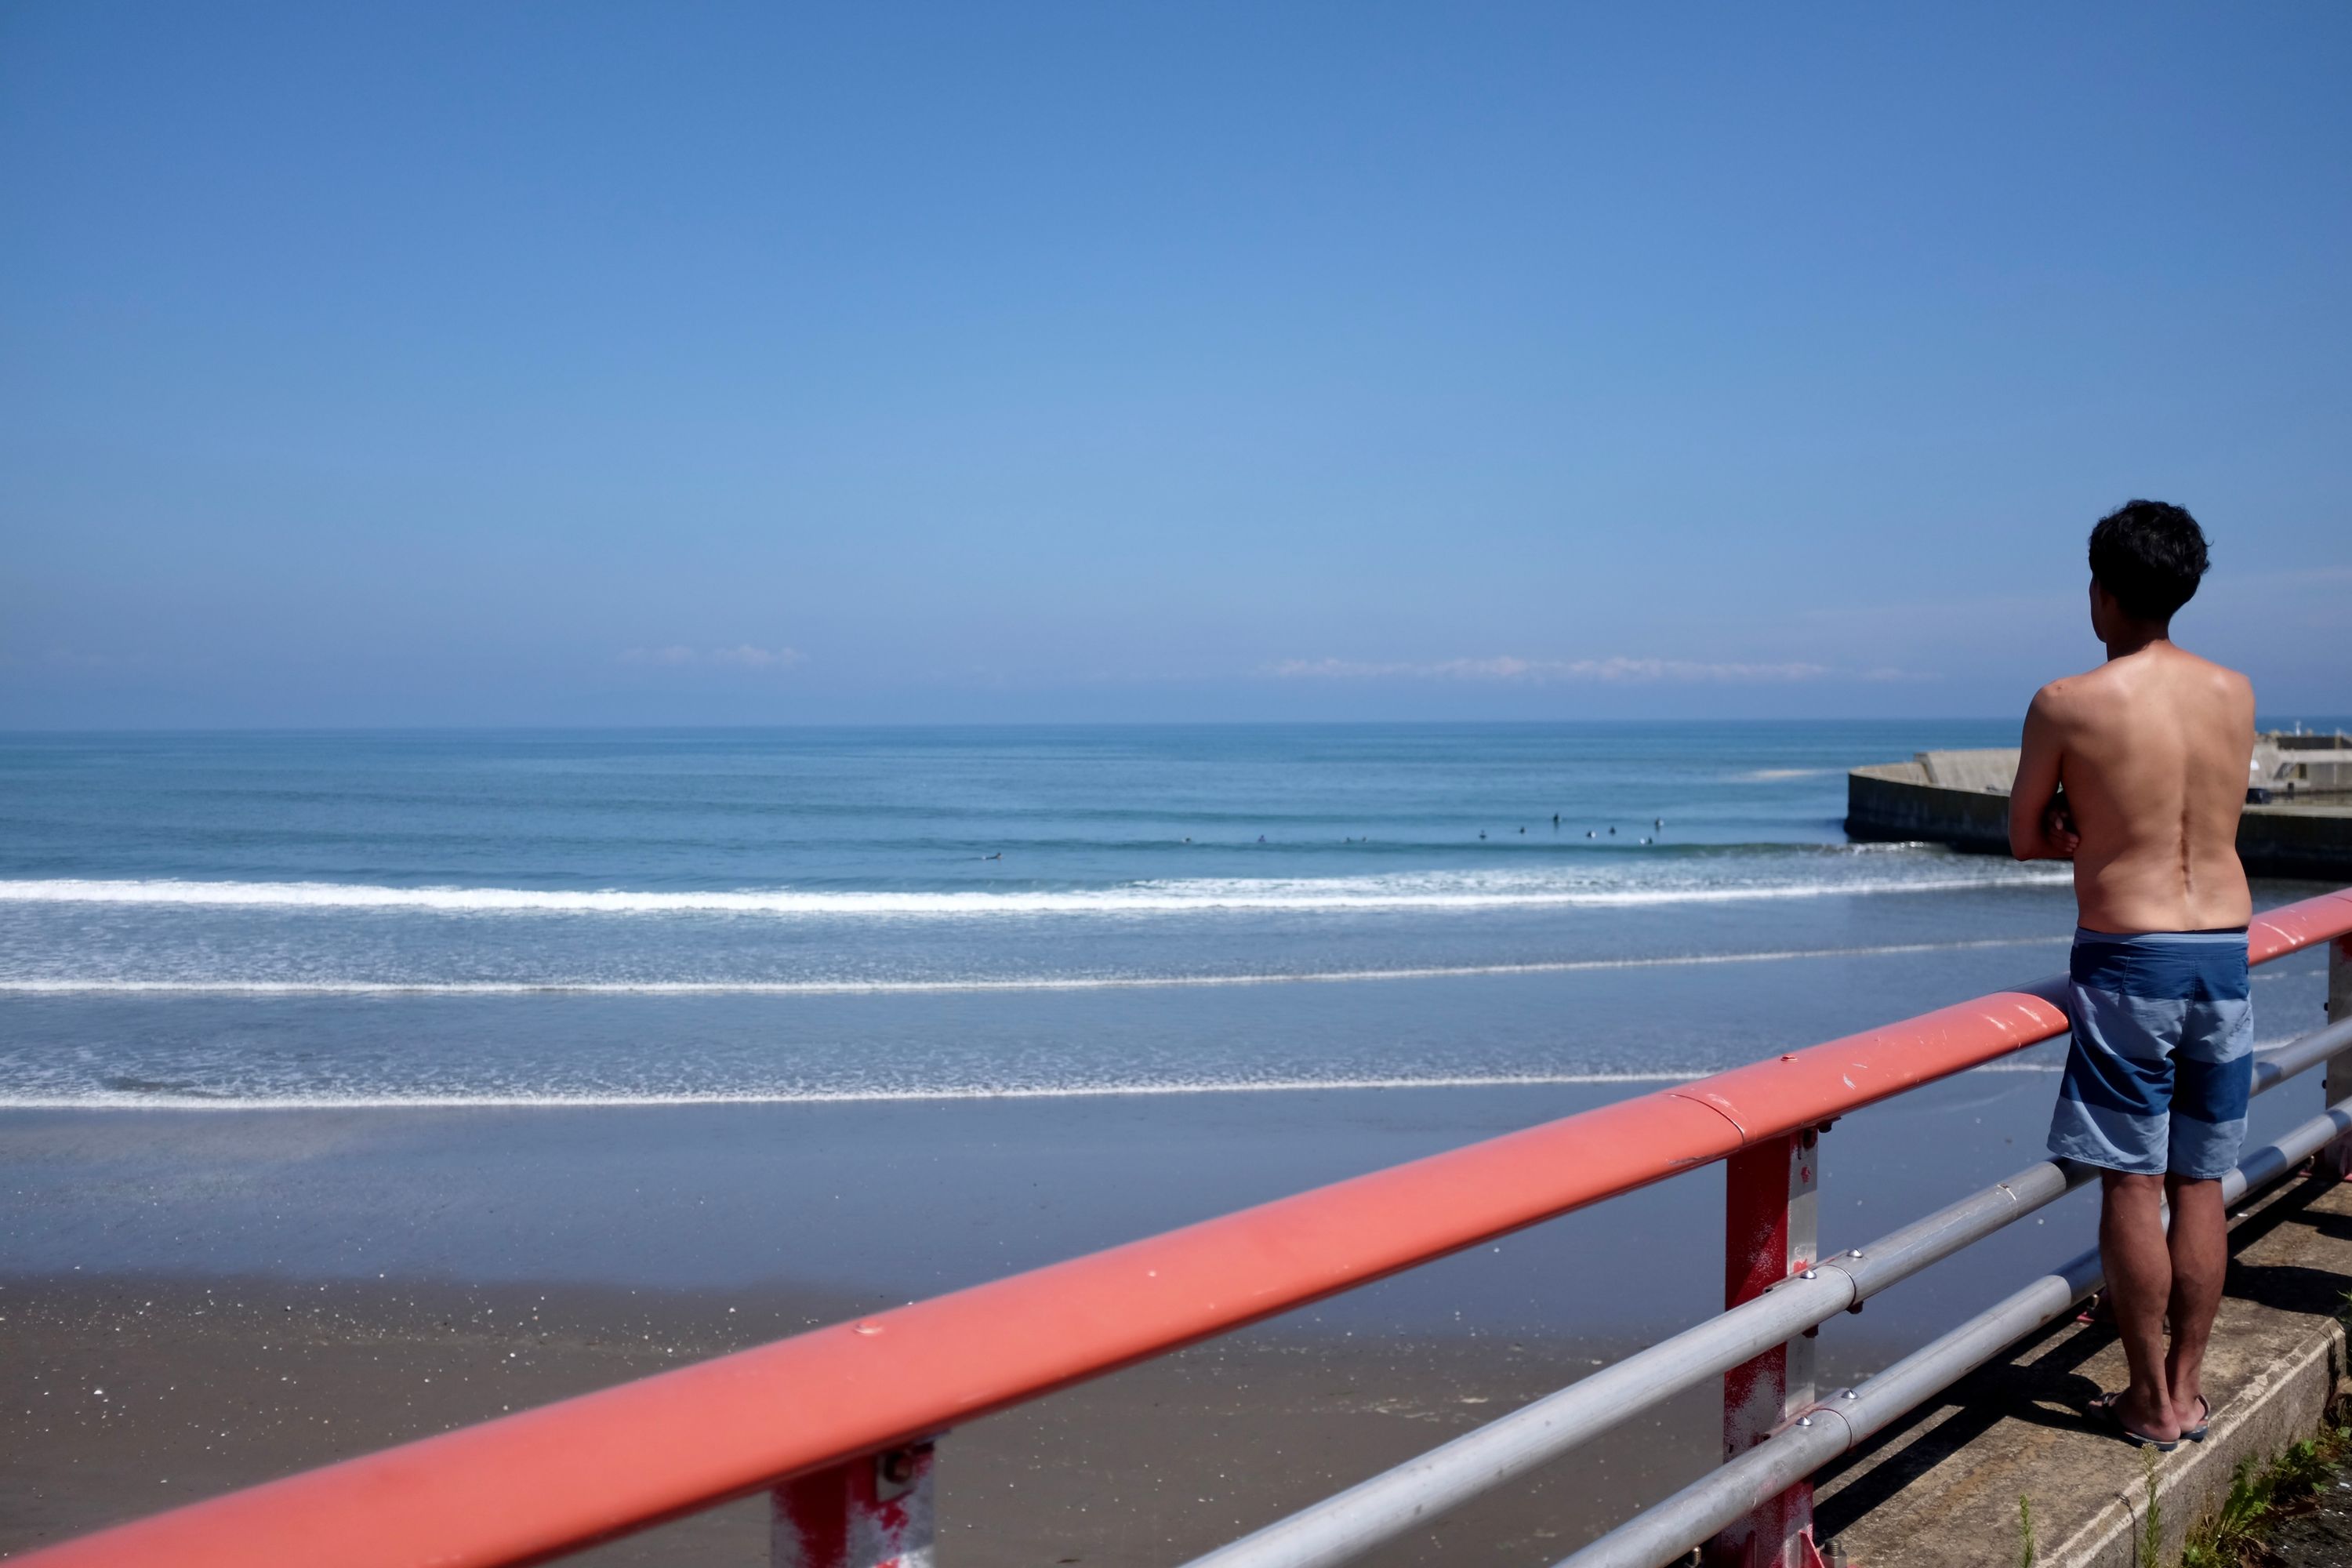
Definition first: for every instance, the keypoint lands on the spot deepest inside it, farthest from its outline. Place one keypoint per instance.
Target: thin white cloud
(742, 655)
(1539, 671)
(751, 658)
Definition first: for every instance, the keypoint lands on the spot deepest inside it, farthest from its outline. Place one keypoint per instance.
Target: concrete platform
(1941, 1490)
(1960, 799)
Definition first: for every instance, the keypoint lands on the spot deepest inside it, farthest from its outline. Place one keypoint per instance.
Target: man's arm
(2038, 828)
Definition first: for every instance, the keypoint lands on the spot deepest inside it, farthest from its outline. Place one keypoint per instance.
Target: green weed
(2232, 1536)
(2025, 1532)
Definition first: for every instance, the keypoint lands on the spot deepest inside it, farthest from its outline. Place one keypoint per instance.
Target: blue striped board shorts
(2162, 1060)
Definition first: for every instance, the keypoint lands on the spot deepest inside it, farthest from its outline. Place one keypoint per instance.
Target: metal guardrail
(838, 1425)
(1421, 1489)
(1839, 1423)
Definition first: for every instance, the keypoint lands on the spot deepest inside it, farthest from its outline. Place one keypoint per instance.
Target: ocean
(634, 917)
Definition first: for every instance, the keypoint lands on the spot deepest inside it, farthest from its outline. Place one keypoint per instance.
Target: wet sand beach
(209, 1386)
(260, 1291)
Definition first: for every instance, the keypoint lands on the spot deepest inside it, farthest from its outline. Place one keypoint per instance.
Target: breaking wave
(1420, 890)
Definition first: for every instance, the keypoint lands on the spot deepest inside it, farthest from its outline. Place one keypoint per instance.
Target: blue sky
(584, 364)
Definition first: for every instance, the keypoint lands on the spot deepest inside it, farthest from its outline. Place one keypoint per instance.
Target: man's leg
(2139, 1281)
(2215, 1074)
(2201, 1257)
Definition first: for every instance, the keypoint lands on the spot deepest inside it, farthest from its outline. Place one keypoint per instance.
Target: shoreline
(265, 989)
(906, 1197)
(135, 1102)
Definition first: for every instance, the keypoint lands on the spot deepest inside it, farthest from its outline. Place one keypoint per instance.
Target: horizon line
(2270, 720)
(653, 727)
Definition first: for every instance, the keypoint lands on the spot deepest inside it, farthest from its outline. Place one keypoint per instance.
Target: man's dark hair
(2149, 556)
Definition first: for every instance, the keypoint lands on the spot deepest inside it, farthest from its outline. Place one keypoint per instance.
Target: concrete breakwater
(2298, 821)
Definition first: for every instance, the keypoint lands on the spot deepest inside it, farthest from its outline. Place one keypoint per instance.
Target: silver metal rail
(1390, 1504)
(1841, 1421)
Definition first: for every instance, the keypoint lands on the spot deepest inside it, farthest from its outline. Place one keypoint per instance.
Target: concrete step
(1941, 1488)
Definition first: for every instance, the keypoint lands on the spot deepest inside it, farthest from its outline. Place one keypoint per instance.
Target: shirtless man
(2151, 750)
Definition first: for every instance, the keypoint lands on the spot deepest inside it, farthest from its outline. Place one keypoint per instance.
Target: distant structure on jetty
(2298, 820)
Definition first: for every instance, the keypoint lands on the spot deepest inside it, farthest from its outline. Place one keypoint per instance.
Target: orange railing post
(872, 1512)
(1772, 1205)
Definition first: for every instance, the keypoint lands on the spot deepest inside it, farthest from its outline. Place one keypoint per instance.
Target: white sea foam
(492, 1099)
(1423, 890)
(70, 986)
(585, 1098)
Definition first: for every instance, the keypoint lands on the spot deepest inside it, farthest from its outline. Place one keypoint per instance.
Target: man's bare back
(2152, 749)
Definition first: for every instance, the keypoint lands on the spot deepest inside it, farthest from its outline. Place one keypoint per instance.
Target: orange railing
(532, 1486)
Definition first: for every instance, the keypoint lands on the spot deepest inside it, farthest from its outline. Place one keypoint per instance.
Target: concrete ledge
(2306, 840)
(1941, 1490)
(1903, 802)
(2282, 1406)
(1894, 803)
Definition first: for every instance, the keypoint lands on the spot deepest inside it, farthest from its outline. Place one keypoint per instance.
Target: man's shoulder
(2220, 676)
(2069, 693)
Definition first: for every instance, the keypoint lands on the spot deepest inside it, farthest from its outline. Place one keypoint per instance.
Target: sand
(124, 1394)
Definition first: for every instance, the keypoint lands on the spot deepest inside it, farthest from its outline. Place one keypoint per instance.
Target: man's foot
(2110, 1409)
(2194, 1431)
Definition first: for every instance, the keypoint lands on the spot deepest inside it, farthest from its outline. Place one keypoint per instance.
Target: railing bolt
(1853, 1252)
(1848, 1393)
(898, 1465)
(1808, 1273)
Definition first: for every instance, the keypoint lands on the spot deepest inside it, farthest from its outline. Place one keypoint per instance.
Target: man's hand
(2058, 835)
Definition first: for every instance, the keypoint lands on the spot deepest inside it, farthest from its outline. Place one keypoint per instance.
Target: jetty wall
(1961, 799)
(1893, 802)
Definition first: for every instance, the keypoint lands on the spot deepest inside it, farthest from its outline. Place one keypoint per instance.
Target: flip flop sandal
(2104, 1408)
(2204, 1418)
